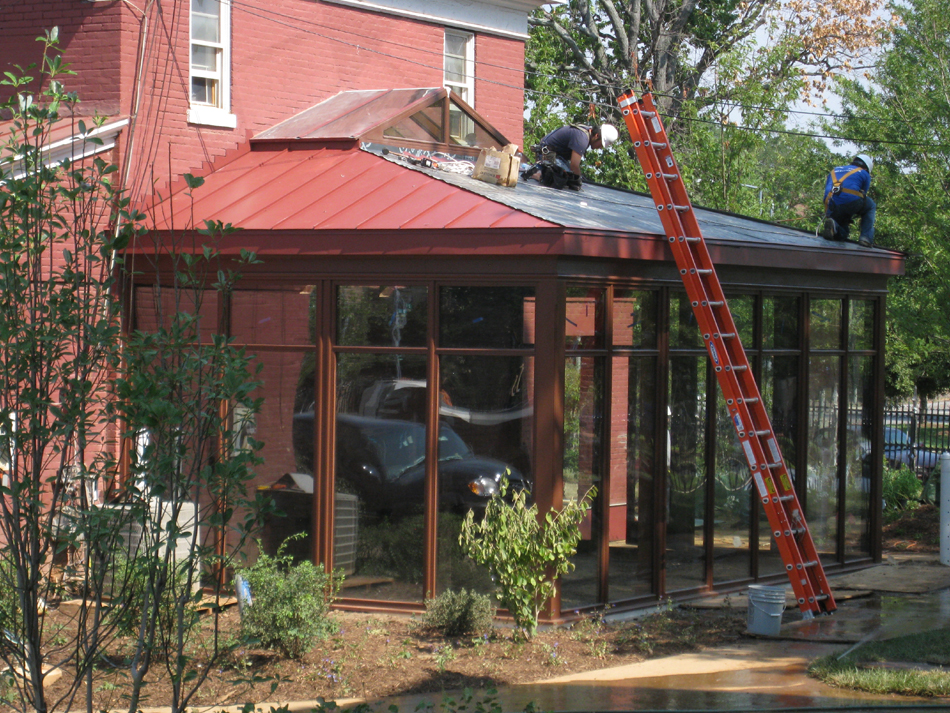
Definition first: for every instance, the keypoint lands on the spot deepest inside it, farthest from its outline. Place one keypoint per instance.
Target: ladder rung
(728, 335)
(669, 176)
(741, 367)
(752, 400)
(716, 304)
(821, 597)
(798, 530)
(703, 271)
(773, 466)
(681, 208)
(762, 433)
(784, 498)
(810, 564)
(692, 240)
(648, 113)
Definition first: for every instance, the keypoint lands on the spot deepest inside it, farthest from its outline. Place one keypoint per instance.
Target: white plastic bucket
(766, 605)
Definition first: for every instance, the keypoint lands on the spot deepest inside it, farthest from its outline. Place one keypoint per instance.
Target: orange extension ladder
(729, 359)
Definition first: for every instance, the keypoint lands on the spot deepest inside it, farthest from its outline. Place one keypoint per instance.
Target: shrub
(289, 604)
(902, 488)
(459, 613)
(520, 549)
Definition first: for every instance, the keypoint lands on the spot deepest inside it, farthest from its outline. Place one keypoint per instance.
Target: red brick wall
(287, 56)
(90, 39)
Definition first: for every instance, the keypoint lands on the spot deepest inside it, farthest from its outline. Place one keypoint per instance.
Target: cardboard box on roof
(498, 167)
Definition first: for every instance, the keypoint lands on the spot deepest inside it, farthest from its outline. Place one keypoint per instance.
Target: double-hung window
(210, 63)
(459, 78)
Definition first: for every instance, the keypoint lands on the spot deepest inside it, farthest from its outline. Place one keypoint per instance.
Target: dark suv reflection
(383, 462)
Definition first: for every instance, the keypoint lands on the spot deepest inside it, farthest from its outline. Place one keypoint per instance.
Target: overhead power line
(294, 23)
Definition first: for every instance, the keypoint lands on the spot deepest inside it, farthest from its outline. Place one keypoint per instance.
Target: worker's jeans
(844, 213)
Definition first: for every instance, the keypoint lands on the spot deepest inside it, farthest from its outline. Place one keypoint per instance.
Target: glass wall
(715, 531)
(643, 421)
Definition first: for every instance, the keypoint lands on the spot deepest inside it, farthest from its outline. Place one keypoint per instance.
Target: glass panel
(858, 460)
(156, 307)
(780, 323)
(584, 318)
(684, 332)
(486, 429)
(204, 91)
(455, 69)
(743, 314)
(583, 468)
(780, 396)
(285, 427)
(685, 557)
(861, 325)
(204, 58)
(822, 487)
(465, 131)
(486, 317)
(380, 474)
(635, 318)
(632, 464)
(206, 20)
(732, 502)
(381, 316)
(455, 44)
(424, 125)
(273, 317)
(826, 324)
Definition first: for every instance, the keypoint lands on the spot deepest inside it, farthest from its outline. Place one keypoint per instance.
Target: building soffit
(507, 18)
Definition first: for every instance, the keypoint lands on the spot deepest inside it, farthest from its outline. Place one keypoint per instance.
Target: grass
(871, 667)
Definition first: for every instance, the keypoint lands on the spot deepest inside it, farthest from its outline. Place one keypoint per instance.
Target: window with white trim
(459, 78)
(210, 63)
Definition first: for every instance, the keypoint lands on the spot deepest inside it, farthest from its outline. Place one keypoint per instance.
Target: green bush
(289, 603)
(902, 489)
(521, 549)
(459, 613)
(131, 580)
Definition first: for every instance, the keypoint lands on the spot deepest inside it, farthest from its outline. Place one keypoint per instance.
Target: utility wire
(294, 23)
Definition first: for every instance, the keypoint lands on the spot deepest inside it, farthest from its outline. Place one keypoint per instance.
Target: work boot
(828, 229)
(865, 242)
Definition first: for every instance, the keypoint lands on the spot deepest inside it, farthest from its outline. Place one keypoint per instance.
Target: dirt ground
(375, 655)
(378, 655)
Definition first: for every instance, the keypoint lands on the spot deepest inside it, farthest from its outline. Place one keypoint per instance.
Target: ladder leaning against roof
(731, 365)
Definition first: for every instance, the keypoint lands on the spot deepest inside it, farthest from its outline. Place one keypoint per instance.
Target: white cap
(867, 160)
(608, 134)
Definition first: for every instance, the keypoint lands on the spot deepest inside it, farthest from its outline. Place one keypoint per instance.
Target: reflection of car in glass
(898, 450)
(383, 462)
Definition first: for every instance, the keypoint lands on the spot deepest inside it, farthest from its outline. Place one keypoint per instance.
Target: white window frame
(218, 114)
(468, 95)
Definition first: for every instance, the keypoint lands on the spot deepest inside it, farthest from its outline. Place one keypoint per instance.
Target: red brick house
(545, 332)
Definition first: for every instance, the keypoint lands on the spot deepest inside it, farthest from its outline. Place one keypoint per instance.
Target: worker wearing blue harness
(846, 196)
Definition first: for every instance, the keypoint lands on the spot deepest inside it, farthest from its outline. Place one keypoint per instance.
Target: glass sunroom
(423, 335)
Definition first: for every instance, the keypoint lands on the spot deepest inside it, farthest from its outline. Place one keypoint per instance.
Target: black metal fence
(928, 430)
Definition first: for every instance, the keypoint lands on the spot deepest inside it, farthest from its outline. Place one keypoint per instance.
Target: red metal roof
(319, 188)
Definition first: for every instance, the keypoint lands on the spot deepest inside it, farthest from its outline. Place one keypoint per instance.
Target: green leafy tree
(523, 550)
(73, 387)
(61, 227)
(901, 117)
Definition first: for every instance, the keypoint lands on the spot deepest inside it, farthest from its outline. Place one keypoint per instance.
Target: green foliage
(902, 490)
(290, 603)
(456, 613)
(133, 591)
(520, 549)
(899, 118)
